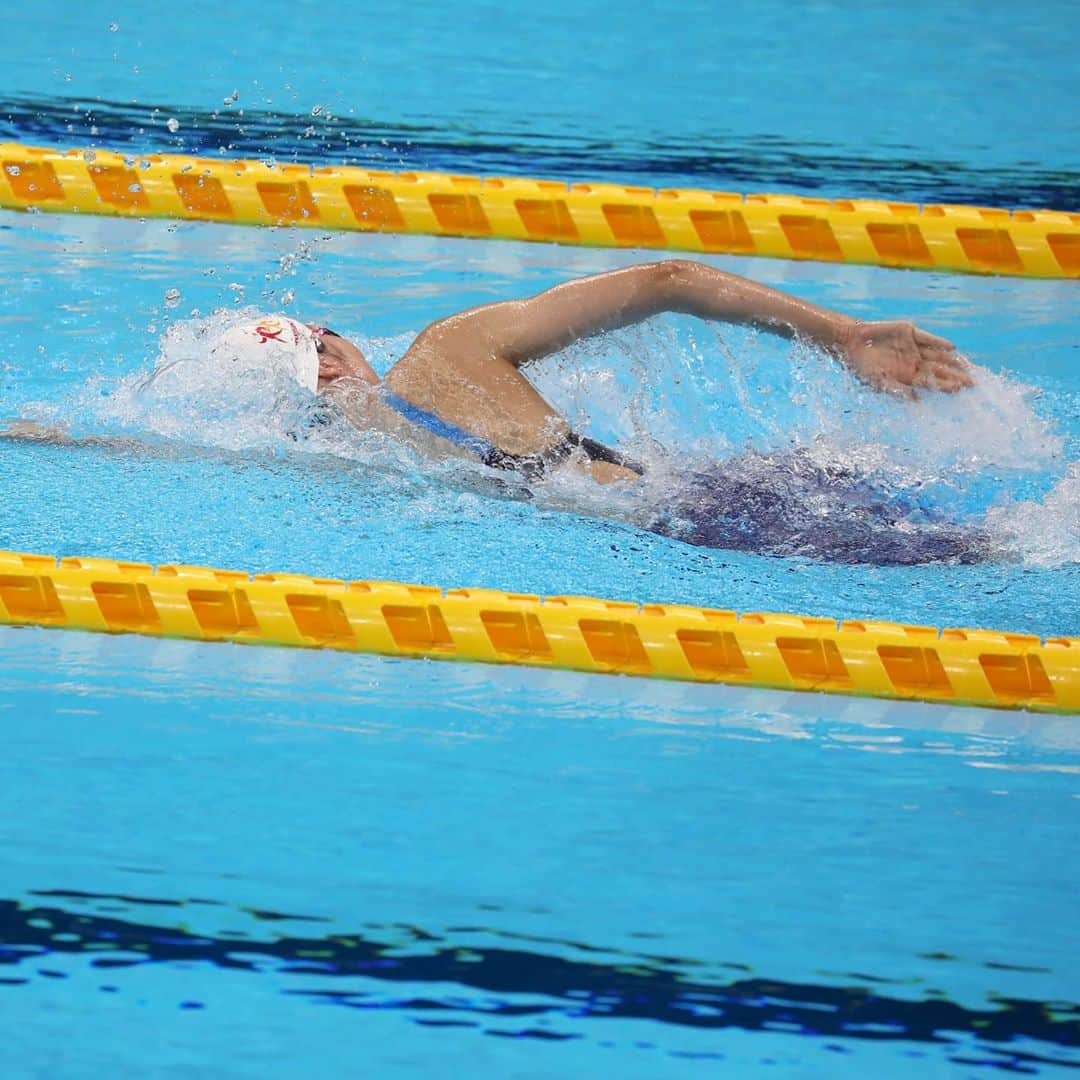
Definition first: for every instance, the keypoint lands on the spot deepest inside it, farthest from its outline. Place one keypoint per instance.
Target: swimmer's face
(339, 357)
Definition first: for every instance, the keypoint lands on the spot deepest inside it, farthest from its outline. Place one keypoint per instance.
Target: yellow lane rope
(1026, 243)
(790, 652)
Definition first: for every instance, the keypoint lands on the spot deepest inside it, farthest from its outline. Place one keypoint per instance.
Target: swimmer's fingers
(949, 358)
(939, 377)
(950, 380)
(924, 339)
(946, 359)
(941, 367)
(924, 374)
(899, 358)
(952, 372)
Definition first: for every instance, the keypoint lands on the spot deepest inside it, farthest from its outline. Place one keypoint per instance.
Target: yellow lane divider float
(1028, 243)
(790, 652)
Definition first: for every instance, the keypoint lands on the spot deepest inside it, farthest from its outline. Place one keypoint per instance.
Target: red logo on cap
(267, 333)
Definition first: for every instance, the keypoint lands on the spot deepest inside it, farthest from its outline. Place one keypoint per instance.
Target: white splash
(1045, 533)
(190, 397)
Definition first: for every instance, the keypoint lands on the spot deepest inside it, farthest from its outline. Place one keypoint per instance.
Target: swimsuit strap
(437, 426)
(597, 451)
(532, 466)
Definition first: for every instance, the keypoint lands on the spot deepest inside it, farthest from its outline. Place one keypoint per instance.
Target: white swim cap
(270, 341)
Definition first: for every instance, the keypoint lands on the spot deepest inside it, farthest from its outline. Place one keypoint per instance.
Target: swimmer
(460, 390)
(461, 381)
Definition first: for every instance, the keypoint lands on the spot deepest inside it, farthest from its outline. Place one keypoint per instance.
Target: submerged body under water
(790, 504)
(770, 504)
(785, 504)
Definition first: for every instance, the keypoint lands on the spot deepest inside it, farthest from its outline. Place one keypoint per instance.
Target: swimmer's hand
(334, 367)
(341, 359)
(898, 357)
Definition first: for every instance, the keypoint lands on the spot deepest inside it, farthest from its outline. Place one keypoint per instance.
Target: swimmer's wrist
(840, 335)
(829, 330)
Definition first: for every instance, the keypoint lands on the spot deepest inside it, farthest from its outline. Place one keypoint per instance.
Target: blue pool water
(971, 103)
(245, 862)
(346, 864)
(224, 482)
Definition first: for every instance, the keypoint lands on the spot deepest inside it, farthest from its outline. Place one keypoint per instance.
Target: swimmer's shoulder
(415, 376)
(440, 357)
(372, 408)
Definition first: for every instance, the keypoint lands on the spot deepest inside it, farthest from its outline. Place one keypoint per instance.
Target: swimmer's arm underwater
(150, 449)
(895, 355)
(32, 431)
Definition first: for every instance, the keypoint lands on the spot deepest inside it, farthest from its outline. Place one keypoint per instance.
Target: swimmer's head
(273, 342)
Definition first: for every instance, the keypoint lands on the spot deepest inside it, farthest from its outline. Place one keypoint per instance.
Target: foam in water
(191, 397)
(1047, 532)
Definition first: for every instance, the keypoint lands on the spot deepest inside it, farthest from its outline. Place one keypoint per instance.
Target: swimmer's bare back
(467, 368)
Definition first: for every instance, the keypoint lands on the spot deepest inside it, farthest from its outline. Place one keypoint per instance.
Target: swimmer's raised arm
(894, 355)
